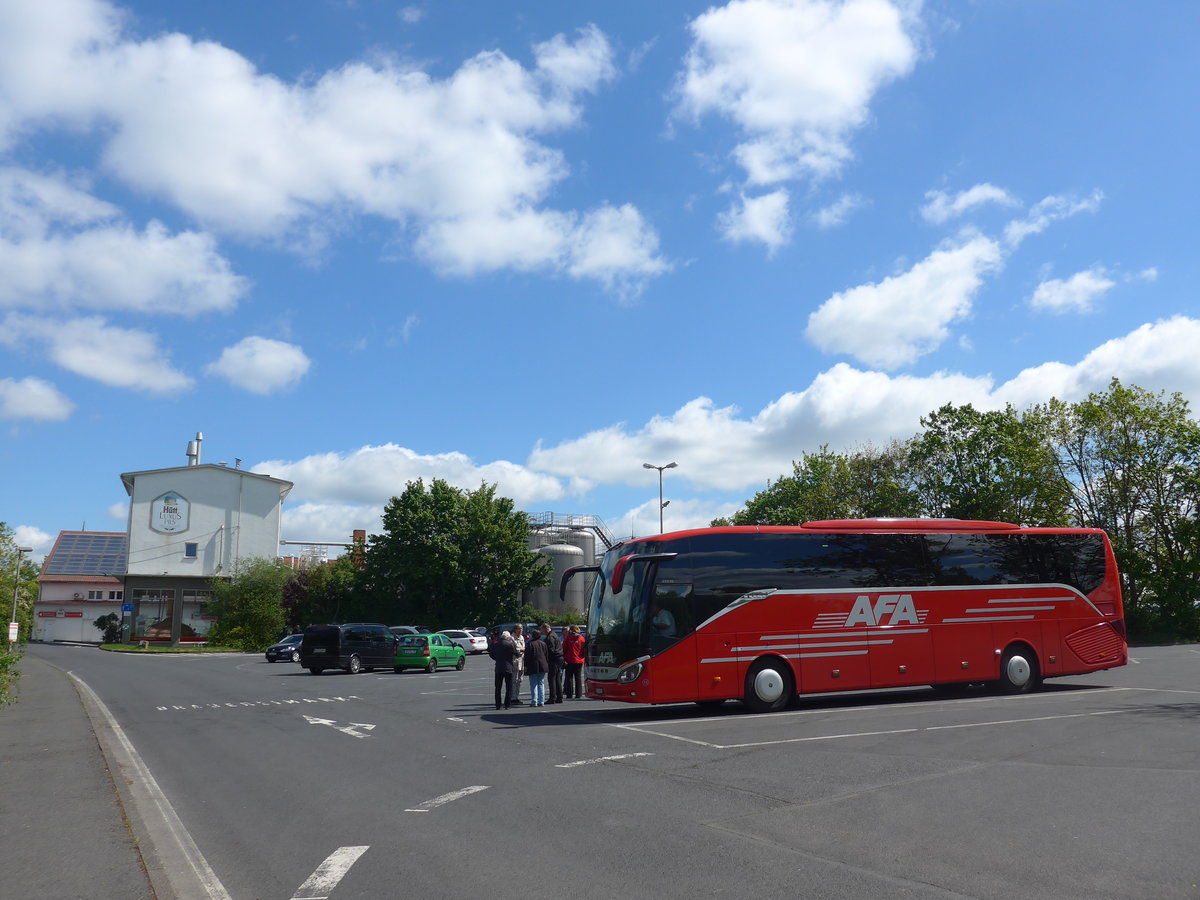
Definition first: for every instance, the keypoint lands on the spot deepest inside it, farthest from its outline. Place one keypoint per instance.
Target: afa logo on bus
(888, 609)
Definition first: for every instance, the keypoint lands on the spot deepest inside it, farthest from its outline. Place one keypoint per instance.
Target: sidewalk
(61, 823)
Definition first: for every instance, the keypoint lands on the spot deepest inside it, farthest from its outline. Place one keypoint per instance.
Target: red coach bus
(763, 613)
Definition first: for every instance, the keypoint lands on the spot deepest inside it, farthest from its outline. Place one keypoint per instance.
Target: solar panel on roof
(88, 554)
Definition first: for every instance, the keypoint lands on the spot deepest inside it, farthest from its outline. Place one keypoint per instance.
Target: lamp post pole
(12, 627)
(661, 504)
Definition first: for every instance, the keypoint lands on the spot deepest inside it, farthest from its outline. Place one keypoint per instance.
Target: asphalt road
(339, 786)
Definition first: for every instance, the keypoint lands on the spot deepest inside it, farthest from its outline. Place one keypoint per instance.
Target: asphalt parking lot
(1088, 788)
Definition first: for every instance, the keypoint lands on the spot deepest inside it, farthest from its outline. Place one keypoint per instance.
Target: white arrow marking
(598, 759)
(351, 729)
(322, 882)
(446, 798)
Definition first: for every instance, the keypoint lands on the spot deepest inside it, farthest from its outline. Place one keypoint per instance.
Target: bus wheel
(1019, 670)
(768, 686)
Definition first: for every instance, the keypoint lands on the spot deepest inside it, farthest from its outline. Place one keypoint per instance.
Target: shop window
(190, 550)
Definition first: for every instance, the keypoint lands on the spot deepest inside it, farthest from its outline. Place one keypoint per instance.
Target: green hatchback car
(429, 652)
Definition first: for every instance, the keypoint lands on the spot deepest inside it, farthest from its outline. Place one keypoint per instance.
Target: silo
(562, 556)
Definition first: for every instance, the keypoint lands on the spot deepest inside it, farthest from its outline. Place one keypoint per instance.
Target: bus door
(669, 620)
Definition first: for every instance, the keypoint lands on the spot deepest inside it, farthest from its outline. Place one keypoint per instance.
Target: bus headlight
(629, 673)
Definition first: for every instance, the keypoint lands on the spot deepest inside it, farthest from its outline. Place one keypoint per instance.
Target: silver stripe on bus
(731, 659)
(1012, 609)
(755, 649)
(872, 633)
(1031, 600)
(992, 619)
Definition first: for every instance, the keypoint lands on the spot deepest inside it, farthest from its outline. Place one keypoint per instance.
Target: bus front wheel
(769, 686)
(1019, 670)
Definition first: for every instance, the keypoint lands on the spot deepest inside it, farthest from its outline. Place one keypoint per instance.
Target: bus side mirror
(569, 574)
(618, 574)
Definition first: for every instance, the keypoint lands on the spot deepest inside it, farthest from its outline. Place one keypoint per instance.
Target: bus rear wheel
(1019, 671)
(769, 686)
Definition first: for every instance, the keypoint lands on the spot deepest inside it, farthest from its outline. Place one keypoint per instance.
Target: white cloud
(92, 348)
(838, 212)
(33, 399)
(763, 218)
(616, 247)
(1046, 212)
(119, 511)
(372, 475)
(941, 207)
(261, 365)
(1075, 294)
(329, 522)
(411, 15)
(456, 162)
(894, 322)
(29, 536)
(795, 76)
(60, 249)
(844, 407)
(411, 322)
(1158, 356)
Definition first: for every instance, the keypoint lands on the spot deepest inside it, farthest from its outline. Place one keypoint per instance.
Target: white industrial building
(187, 525)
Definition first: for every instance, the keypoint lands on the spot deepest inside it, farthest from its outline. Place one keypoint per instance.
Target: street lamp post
(661, 504)
(12, 628)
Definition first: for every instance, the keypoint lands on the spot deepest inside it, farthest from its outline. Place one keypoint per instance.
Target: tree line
(445, 558)
(1125, 460)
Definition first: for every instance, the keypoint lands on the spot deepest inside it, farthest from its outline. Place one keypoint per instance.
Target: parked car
(468, 640)
(353, 647)
(288, 648)
(401, 630)
(429, 652)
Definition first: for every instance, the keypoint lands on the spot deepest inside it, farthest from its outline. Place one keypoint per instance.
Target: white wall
(232, 514)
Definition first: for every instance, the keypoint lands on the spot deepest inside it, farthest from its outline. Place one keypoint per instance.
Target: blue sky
(357, 243)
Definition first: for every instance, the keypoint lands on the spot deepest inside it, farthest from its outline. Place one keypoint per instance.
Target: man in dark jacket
(504, 652)
(555, 652)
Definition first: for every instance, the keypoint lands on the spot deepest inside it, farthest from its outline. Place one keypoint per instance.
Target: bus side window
(670, 616)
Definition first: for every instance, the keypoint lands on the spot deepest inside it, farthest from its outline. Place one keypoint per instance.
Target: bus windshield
(619, 613)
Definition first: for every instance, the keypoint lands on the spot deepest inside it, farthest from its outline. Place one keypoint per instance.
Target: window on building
(190, 550)
(95, 595)
(116, 595)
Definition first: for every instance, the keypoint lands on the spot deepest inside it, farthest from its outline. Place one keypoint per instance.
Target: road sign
(126, 607)
(13, 630)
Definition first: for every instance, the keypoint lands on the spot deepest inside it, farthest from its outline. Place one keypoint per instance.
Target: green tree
(25, 577)
(447, 557)
(825, 485)
(109, 626)
(248, 607)
(996, 465)
(1132, 460)
(319, 593)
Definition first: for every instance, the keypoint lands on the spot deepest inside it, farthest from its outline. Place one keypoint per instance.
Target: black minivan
(352, 647)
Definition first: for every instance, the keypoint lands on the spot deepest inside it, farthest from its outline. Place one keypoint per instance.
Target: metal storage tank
(562, 556)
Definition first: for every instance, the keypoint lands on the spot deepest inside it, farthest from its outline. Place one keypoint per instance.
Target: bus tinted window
(732, 565)
(965, 559)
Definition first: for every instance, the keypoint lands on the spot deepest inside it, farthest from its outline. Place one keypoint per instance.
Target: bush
(8, 676)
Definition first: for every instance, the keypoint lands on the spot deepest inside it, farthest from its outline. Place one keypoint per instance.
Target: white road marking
(351, 729)
(322, 882)
(643, 728)
(447, 798)
(188, 707)
(456, 719)
(599, 759)
(145, 790)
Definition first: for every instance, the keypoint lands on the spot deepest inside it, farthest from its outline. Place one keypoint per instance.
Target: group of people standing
(546, 658)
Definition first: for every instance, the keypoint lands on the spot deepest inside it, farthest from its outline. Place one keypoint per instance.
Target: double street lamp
(661, 505)
(12, 628)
